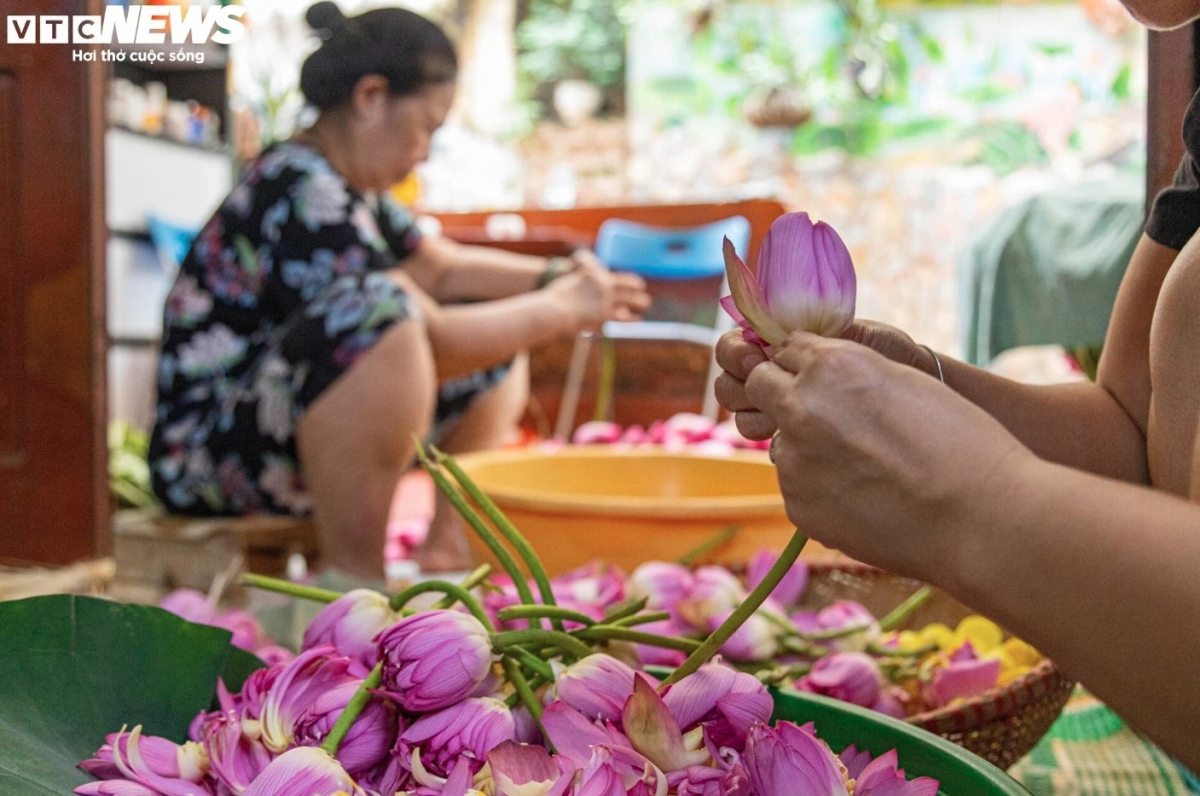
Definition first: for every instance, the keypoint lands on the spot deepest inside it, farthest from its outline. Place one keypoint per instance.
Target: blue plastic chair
(171, 241)
(667, 253)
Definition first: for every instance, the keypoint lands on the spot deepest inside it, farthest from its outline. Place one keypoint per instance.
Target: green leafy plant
(128, 471)
(73, 669)
(572, 39)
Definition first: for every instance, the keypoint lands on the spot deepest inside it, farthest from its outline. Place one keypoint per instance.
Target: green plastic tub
(921, 753)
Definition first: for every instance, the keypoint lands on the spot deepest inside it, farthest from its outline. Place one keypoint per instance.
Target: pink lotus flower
(963, 676)
(597, 686)
(596, 432)
(292, 695)
(688, 428)
(785, 760)
(881, 777)
(848, 676)
(725, 702)
(248, 634)
(156, 764)
(654, 732)
(189, 604)
(843, 615)
(433, 743)
(433, 659)
(756, 640)
(790, 589)
(714, 590)
(805, 282)
(350, 623)
(663, 584)
(235, 756)
(304, 771)
(650, 655)
(601, 777)
(573, 736)
(371, 735)
(596, 586)
(524, 770)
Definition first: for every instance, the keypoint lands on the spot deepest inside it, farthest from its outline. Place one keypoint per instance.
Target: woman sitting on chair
(312, 331)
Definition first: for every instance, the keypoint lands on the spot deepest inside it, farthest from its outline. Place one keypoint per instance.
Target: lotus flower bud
(756, 640)
(433, 743)
(350, 623)
(433, 659)
(597, 686)
(804, 282)
(303, 771)
(663, 584)
(848, 676)
(790, 589)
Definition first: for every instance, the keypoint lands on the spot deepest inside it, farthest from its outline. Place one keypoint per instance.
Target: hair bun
(325, 18)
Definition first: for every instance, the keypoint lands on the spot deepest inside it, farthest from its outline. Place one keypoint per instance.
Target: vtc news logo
(133, 25)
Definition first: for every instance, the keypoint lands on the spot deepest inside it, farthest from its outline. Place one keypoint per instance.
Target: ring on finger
(773, 447)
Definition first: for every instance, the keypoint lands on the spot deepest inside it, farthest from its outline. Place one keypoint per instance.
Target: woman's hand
(592, 294)
(738, 357)
(875, 459)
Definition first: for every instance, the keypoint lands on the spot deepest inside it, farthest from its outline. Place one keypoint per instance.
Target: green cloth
(1090, 751)
(1046, 270)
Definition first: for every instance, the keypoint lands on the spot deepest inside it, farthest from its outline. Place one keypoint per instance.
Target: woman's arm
(468, 337)
(880, 462)
(1097, 427)
(451, 272)
(1100, 428)
(1102, 577)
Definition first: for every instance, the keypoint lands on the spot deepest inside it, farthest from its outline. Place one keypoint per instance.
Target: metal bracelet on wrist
(937, 361)
(555, 267)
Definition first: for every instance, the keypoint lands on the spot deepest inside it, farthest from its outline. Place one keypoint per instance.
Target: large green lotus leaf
(73, 669)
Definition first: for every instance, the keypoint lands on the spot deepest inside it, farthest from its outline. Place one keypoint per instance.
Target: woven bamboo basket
(1001, 725)
(86, 577)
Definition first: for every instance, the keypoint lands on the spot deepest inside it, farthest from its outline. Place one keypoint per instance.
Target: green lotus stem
(287, 587)
(524, 691)
(896, 652)
(623, 609)
(906, 609)
(617, 633)
(354, 707)
(531, 661)
(640, 619)
(781, 622)
(450, 589)
(506, 528)
(756, 598)
(834, 633)
(477, 576)
(552, 638)
(548, 611)
(799, 646)
(535, 682)
(477, 524)
(708, 545)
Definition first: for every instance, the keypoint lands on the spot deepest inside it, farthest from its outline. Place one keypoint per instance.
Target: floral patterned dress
(282, 291)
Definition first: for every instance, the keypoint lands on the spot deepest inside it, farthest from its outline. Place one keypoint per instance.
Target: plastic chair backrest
(670, 252)
(171, 241)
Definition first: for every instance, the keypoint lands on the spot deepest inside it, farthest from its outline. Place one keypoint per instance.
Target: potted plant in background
(573, 52)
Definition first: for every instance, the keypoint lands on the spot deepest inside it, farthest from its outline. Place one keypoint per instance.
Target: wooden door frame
(56, 484)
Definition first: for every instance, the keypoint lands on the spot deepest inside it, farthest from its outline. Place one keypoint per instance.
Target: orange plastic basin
(579, 504)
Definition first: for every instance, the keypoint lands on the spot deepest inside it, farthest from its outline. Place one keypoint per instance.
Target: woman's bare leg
(356, 440)
(487, 424)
